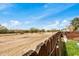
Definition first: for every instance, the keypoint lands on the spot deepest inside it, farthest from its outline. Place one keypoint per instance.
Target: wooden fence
(53, 46)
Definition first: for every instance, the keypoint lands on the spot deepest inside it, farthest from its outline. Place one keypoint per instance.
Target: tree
(42, 30)
(34, 30)
(3, 29)
(75, 23)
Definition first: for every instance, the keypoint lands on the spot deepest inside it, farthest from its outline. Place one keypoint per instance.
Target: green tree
(75, 23)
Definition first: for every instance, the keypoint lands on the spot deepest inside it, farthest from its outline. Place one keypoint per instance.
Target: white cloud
(12, 24)
(53, 25)
(15, 22)
(57, 24)
(65, 23)
(4, 24)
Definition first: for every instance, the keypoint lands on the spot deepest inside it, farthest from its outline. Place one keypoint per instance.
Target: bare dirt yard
(18, 44)
(71, 35)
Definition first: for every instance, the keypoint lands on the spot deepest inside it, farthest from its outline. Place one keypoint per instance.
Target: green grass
(72, 48)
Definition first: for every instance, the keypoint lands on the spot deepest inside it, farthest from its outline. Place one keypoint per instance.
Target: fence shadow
(64, 50)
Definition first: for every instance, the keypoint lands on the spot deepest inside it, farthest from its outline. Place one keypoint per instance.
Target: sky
(37, 15)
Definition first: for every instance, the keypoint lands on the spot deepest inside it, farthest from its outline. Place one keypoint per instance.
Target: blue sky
(38, 15)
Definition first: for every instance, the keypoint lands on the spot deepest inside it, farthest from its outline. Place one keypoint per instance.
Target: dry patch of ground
(18, 44)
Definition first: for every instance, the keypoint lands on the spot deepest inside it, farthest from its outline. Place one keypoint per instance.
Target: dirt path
(16, 45)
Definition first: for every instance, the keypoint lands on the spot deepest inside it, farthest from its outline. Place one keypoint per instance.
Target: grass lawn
(72, 48)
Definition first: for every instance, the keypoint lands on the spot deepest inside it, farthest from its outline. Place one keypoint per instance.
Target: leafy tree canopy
(75, 23)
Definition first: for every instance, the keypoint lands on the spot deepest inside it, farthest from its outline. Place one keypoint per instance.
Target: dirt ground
(18, 44)
(72, 35)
